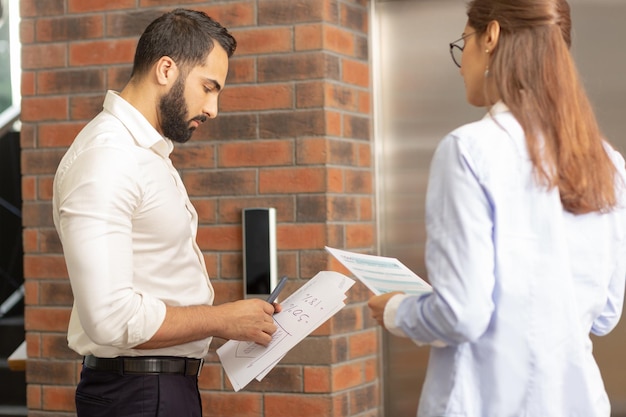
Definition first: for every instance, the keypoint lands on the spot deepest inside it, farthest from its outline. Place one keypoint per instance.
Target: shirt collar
(497, 108)
(143, 132)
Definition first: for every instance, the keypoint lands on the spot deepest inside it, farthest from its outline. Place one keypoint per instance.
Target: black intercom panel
(259, 251)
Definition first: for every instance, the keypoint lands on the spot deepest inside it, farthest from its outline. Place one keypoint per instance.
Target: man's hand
(377, 306)
(246, 320)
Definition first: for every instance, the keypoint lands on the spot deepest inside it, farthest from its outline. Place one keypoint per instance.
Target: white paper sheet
(381, 274)
(302, 312)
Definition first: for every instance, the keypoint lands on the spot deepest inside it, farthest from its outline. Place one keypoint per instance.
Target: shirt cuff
(389, 315)
(389, 319)
(143, 326)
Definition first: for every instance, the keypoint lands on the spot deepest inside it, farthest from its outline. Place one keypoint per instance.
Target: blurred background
(419, 98)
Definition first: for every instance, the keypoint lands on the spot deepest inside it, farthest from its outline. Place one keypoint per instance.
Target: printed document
(381, 274)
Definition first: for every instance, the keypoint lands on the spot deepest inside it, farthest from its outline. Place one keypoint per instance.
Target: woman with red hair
(526, 226)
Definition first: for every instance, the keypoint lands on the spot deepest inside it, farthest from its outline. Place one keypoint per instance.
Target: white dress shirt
(128, 232)
(519, 284)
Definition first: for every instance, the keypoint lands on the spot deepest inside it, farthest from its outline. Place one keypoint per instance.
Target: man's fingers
(263, 338)
(270, 328)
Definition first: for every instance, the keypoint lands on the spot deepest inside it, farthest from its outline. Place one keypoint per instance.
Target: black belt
(147, 365)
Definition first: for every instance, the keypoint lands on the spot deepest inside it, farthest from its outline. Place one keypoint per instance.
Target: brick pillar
(293, 133)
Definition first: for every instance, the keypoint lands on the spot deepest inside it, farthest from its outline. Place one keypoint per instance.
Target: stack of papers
(302, 312)
(381, 274)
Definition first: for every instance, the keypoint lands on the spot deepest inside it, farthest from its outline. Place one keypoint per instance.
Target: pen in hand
(274, 295)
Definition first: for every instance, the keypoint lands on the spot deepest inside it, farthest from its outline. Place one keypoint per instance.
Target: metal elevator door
(419, 97)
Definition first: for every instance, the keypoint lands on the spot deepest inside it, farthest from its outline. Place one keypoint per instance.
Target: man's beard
(173, 111)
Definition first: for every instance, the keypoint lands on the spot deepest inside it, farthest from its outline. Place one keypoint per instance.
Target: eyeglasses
(456, 51)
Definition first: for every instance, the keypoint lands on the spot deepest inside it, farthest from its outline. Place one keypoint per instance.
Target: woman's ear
(492, 35)
(166, 70)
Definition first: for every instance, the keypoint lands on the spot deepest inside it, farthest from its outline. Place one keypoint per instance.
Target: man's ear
(166, 71)
(492, 35)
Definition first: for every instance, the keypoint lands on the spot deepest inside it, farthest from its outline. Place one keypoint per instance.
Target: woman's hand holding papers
(377, 306)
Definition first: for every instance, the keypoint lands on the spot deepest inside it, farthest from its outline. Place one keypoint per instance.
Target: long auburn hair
(536, 78)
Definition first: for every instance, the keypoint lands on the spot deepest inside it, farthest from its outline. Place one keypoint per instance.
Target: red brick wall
(293, 133)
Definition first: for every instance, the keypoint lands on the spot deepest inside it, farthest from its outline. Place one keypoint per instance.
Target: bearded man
(143, 317)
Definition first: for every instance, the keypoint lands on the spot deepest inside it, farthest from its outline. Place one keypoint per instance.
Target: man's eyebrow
(214, 83)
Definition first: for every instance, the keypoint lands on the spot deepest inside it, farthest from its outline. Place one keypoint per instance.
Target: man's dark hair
(186, 36)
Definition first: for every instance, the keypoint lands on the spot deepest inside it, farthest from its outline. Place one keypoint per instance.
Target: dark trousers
(108, 394)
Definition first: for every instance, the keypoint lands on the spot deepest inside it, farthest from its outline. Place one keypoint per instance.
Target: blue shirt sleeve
(459, 254)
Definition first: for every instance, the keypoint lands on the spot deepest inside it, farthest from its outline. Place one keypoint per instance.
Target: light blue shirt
(519, 284)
